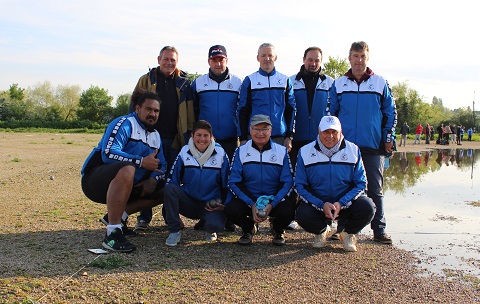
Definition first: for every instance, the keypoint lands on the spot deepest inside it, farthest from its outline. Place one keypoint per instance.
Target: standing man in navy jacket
(311, 89)
(364, 104)
(270, 93)
(215, 99)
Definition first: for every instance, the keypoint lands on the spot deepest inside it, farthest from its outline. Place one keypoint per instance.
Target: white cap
(329, 122)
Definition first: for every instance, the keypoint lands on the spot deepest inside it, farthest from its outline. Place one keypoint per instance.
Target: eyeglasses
(261, 130)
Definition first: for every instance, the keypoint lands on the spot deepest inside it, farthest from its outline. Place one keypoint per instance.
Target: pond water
(432, 206)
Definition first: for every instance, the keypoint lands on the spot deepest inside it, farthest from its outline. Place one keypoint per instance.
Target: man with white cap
(330, 179)
(261, 184)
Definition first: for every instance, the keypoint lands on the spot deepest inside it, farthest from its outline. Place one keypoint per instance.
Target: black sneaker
(117, 242)
(229, 226)
(383, 238)
(245, 239)
(278, 239)
(126, 231)
(199, 225)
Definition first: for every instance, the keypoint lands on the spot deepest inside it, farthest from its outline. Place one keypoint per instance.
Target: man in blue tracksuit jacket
(126, 170)
(311, 89)
(215, 99)
(260, 179)
(199, 174)
(364, 104)
(330, 180)
(270, 93)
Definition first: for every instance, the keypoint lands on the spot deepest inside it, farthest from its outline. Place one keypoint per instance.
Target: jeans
(403, 139)
(179, 202)
(170, 155)
(374, 168)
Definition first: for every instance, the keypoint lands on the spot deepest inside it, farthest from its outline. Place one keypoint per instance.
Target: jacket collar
(342, 145)
(263, 73)
(267, 146)
(302, 73)
(368, 74)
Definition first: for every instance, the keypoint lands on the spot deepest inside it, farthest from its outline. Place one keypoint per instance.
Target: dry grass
(47, 226)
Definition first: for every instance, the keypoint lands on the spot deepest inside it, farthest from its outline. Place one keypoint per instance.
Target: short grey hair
(267, 45)
(168, 48)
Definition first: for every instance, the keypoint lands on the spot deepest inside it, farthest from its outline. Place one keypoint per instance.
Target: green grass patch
(110, 261)
(16, 160)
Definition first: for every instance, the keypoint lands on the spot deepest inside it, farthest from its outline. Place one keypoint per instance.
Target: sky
(430, 45)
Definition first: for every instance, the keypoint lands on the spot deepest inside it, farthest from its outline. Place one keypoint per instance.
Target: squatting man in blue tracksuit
(126, 170)
(260, 180)
(198, 177)
(330, 180)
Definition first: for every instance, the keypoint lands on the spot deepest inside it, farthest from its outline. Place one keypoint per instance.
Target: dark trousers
(354, 218)
(239, 213)
(170, 155)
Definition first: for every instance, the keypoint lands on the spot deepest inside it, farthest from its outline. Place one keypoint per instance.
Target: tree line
(67, 106)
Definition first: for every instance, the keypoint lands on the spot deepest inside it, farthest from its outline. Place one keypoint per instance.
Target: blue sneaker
(173, 239)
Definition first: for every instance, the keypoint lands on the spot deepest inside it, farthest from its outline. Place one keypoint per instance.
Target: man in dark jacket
(176, 119)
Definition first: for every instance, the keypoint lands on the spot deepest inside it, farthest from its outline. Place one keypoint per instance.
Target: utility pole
(473, 112)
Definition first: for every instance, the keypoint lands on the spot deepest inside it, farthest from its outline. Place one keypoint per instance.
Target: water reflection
(429, 206)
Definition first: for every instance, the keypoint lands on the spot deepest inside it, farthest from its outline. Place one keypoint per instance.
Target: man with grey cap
(260, 184)
(330, 179)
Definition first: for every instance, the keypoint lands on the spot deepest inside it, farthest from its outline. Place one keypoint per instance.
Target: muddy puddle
(432, 205)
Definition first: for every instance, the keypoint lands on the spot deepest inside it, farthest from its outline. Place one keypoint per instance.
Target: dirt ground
(47, 225)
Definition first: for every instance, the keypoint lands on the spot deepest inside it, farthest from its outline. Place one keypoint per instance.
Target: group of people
(230, 151)
(456, 132)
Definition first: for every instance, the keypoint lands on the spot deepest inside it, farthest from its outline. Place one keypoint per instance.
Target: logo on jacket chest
(273, 158)
(213, 162)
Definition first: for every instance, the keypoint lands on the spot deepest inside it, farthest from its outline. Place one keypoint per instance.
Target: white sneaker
(321, 239)
(349, 241)
(292, 226)
(173, 239)
(211, 237)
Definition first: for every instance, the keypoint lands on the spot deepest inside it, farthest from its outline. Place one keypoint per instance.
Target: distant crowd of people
(446, 133)
(231, 152)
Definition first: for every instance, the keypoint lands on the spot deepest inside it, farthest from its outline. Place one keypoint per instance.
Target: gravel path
(47, 225)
